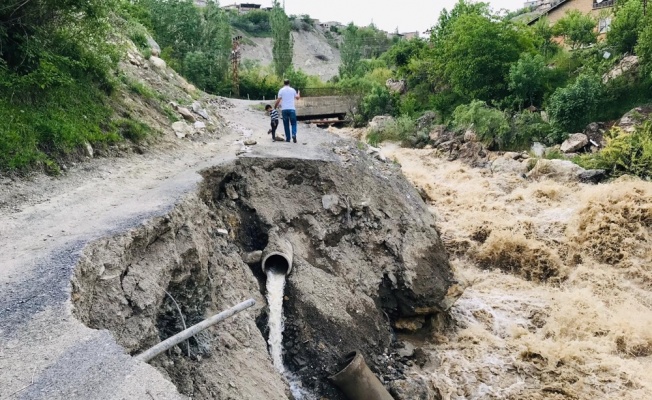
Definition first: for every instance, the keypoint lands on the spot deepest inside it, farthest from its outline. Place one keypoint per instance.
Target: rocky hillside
(313, 53)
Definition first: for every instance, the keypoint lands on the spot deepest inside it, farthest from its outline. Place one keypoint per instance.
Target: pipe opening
(277, 263)
(345, 364)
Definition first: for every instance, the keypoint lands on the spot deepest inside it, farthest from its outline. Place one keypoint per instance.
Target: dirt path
(45, 221)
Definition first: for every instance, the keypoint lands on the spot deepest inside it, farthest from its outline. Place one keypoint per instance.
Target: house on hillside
(242, 8)
(327, 25)
(410, 35)
(558, 8)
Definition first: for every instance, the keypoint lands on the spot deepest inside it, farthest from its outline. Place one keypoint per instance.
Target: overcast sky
(407, 15)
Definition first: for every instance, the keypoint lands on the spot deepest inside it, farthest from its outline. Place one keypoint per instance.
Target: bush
(135, 131)
(626, 26)
(625, 153)
(377, 102)
(399, 130)
(527, 79)
(490, 125)
(572, 107)
(644, 49)
(528, 127)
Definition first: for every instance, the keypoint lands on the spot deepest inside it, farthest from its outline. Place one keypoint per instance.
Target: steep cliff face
(313, 53)
(366, 254)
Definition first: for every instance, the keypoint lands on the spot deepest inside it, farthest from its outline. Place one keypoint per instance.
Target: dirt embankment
(366, 255)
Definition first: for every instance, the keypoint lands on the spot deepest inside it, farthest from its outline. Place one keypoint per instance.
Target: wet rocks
(560, 170)
(575, 142)
(592, 176)
(508, 164)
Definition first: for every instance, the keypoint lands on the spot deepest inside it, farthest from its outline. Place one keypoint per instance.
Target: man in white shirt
(286, 98)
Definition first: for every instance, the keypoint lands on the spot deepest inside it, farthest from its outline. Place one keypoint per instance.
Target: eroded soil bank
(367, 257)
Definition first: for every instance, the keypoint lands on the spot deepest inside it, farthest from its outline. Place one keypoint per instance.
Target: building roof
(553, 6)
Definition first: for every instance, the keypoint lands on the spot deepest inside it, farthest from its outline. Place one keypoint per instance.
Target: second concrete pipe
(358, 382)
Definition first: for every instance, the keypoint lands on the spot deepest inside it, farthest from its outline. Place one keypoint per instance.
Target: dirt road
(45, 222)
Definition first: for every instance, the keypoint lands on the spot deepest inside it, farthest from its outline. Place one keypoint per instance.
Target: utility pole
(235, 63)
(644, 7)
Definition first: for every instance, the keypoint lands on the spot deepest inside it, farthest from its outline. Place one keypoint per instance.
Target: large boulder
(559, 170)
(437, 132)
(628, 64)
(154, 47)
(508, 165)
(157, 63)
(379, 122)
(574, 143)
(199, 110)
(593, 176)
(634, 118)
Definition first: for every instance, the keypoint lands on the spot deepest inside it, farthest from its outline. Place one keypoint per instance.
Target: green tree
(626, 26)
(527, 79)
(216, 40)
(476, 56)
(350, 51)
(282, 37)
(644, 47)
(447, 18)
(49, 42)
(543, 34)
(572, 107)
(577, 29)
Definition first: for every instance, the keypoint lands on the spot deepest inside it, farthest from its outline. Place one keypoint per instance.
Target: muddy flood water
(559, 297)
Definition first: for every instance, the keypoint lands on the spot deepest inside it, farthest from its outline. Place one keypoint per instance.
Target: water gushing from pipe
(275, 287)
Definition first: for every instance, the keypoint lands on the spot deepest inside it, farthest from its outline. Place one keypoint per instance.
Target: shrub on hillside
(490, 125)
(572, 107)
(528, 127)
(625, 153)
(397, 130)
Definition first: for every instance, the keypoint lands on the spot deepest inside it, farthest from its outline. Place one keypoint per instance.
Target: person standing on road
(273, 114)
(286, 97)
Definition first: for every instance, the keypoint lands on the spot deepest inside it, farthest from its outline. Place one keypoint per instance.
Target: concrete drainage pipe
(358, 382)
(278, 254)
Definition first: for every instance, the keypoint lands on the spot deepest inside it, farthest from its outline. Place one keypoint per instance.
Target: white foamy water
(275, 286)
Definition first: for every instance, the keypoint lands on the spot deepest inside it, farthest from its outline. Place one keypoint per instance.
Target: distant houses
(556, 9)
(244, 8)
